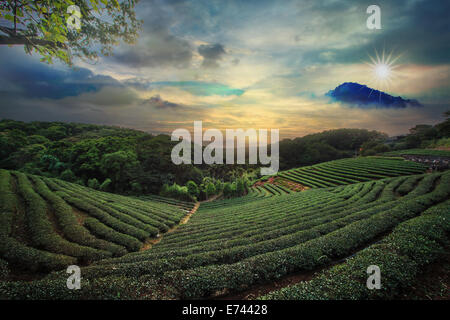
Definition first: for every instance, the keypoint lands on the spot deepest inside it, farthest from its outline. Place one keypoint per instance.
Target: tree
(371, 148)
(118, 165)
(194, 174)
(68, 175)
(47, 27)
(227, 190)
(51, 163)
(193, 189)
(240, 187)
(54, 133)
(136, 187)
(444, 127)
(93, 184)
(210, 190)
(105, 185)
(219, 186)
(424, 132)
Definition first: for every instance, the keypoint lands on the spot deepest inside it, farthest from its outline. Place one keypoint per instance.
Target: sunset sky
(245, 64)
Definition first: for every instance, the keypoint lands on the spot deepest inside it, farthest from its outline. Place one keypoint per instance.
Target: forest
(128, 161)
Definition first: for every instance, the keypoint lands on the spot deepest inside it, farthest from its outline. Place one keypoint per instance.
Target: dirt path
(151, 242)
(262, 289)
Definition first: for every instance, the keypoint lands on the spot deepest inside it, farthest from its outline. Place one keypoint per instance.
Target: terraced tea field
(400, 222)
(420, 152)
(48, 224)
(347, 171)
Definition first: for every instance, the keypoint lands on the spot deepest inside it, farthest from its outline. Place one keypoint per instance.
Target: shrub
(177, 192)
(4, 269)
(68, 175)
(411, 246)
(93, 184)
(70, 227)
(210, 190)
(227, 190)
(41, 229)
(106, 185)
(192, 189)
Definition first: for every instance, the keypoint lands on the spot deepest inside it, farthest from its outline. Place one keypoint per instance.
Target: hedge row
(70, 226)
(15, 252)
(281, 212)
(109, 234)
(270, 218)
(134, 218)
(419, 152)
(276, 227)
(205, 281)
(133, 226)
(401, 256)
(124, 234)
(164, 213)
(42, 232)
(243, 247)
(31, 259)
(346, 171)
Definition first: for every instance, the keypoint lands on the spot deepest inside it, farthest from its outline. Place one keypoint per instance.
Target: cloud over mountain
(364, 97)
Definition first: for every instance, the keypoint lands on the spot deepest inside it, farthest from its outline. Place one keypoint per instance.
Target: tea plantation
(356, 213)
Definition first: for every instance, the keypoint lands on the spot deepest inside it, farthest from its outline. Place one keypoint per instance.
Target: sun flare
(383, 69)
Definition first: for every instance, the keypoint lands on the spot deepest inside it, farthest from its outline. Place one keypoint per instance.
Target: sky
(261, 64)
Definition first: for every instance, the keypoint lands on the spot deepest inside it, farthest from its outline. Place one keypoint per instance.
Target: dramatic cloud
(362, 96)
(248, 64)
(157, 46)
(159, 50)
(159, 103)
(211, 53)
(38, 80)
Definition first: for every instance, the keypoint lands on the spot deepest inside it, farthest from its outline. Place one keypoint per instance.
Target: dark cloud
(38, 80)
(211, 53)
(157, 102)
(157, 46)
(159, 50)
(362, 96)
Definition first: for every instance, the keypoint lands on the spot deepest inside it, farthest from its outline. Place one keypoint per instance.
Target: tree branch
(22, 40)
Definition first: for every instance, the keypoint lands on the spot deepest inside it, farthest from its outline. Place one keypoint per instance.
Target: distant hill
(365, 97)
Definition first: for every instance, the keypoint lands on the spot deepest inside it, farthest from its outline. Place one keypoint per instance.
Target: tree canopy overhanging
(43, 26)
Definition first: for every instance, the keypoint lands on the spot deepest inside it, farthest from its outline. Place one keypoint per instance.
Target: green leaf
(9, 17)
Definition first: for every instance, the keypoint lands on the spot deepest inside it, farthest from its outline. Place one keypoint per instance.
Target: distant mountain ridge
(365, 97)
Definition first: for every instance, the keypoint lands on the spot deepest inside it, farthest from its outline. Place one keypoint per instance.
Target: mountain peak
(364, 97)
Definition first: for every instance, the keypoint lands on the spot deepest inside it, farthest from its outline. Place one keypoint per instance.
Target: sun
(382, 69)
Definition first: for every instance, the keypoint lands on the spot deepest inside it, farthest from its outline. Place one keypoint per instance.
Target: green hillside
(353, 170)
(229, 245)
(419, 152)
(47, 224)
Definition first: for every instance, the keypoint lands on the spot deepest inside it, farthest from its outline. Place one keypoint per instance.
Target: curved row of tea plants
(401, 257)
(233, 247)
(419, 152)
(347, 171)
(48, 224)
